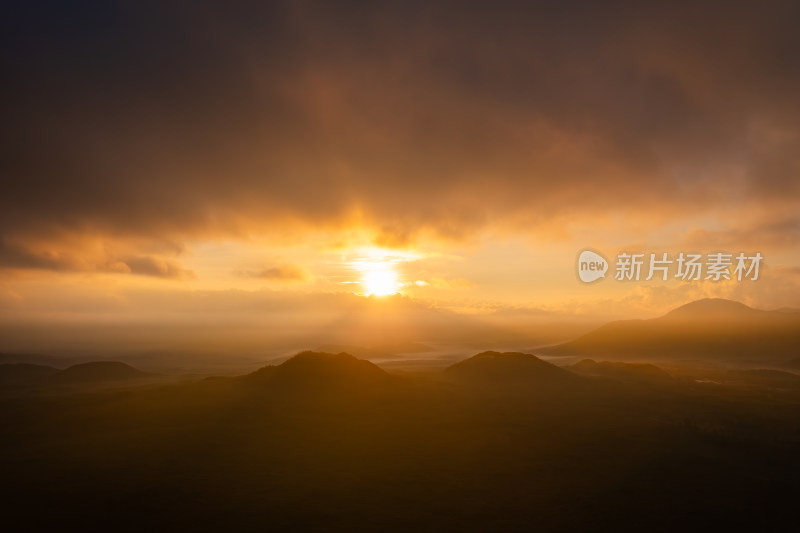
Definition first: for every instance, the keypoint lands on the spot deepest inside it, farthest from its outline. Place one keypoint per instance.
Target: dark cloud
(782, 233)
(154, 266)
(81, 258)
(18, 257)
(165, 120)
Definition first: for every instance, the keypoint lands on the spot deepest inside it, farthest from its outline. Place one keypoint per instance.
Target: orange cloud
(651, 116)
(284, 272)
(154, 266)
(449, 284)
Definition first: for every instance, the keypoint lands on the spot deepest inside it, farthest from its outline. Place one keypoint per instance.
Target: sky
(278, 165)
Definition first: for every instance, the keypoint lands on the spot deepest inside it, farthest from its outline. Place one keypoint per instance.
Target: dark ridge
(265, 372)
(639, 372)
(321, 369)
(496, 367)
(361, 352)
(98, 371)
(41, 359)
(24, 374)
(713, 309)
(705, 330)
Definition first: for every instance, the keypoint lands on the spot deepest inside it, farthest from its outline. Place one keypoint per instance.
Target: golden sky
(164, 161)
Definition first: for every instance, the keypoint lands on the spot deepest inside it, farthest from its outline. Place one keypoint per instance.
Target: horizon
(548, 340)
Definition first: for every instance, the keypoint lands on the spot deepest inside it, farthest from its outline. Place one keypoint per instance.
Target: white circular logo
(591, 266)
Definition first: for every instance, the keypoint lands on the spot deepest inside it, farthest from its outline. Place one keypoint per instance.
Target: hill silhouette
(634, 372)
(321, 369)
(711, 329)
(361, 352)
(59, 362)
(714, 309)
(509, 368)
(320, 442)
(24, 375)
(98, 371)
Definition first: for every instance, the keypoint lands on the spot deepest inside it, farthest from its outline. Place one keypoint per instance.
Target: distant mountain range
(29, 375)
(718, 331)
(25, 374)
(711, 329)
(634, 372)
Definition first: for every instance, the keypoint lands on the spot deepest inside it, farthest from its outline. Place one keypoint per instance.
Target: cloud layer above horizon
(135, 130)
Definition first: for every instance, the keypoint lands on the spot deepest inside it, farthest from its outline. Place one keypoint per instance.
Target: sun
(376, 269)
(380, 280)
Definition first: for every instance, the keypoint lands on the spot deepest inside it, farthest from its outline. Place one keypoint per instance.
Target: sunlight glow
(380, 280)
(377, 269)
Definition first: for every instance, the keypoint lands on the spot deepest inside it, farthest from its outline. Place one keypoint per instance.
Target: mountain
(711, 329)
(321, 369)
(96, 372)
(508, 368)
(633, 372)
(714, 309)
(362, 352)
(764, 378)
(59, 362)
(24, 375)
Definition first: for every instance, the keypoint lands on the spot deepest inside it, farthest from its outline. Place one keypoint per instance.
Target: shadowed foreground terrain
(329, 442)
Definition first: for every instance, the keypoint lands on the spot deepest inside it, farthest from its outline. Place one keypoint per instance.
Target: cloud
(450, 284)
(153, 266)
(287, 272)
(15, 256)
(450, 120)
(260, 323)
(82, 257)
(781, 232)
